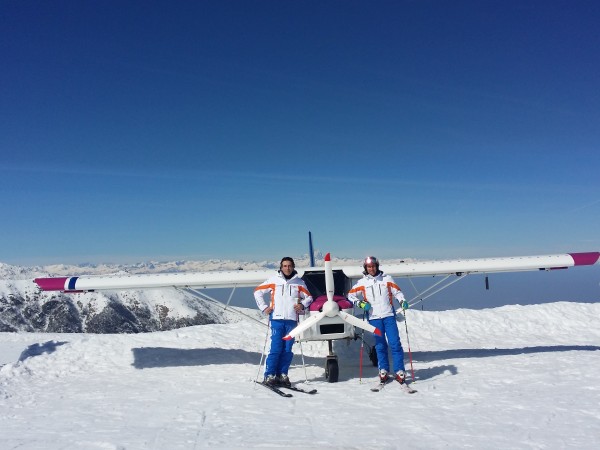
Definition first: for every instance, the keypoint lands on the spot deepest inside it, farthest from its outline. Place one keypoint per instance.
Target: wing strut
(230, 297)
(419, 294)
(412, 301)
(203, 296)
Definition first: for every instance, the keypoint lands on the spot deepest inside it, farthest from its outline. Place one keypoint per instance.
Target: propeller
(330, 309)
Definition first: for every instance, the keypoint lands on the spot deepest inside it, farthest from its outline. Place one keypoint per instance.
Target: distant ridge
(24, 308)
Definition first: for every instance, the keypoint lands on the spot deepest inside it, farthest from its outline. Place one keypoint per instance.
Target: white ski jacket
(380, 291)
(284, 295)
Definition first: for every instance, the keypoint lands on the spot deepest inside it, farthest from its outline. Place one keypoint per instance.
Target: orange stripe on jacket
(394, 285)
(391, 285)
(359, 289)
(302, 289)
(265, 287)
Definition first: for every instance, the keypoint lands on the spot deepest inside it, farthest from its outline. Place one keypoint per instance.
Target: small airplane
(331, 316)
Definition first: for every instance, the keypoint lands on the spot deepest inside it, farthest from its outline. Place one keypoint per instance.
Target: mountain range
(23, 307)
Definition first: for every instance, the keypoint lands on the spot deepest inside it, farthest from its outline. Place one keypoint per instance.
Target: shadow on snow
(154, 357)
(490, 352)
(40, 349)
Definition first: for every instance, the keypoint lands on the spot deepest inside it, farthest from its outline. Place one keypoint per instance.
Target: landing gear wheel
(373, 356)
(332, 370)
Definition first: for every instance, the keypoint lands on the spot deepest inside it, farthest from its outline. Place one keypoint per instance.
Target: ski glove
(404, 305)
(364, 305)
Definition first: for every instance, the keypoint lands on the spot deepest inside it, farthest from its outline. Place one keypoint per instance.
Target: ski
(297, 389)
(406, 388)
(274, 389)
(380, 385)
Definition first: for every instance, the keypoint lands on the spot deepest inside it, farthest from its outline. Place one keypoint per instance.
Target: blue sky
(190, 130)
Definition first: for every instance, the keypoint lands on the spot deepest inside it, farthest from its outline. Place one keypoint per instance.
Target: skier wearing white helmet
(374, 293)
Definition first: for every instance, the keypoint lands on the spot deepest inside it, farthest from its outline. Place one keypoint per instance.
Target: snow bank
(510, 377)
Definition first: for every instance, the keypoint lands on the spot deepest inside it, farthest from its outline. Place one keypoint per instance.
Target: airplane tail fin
(311, 252)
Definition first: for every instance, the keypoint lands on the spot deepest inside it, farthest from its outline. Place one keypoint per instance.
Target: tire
(373, 356)
(332, 370)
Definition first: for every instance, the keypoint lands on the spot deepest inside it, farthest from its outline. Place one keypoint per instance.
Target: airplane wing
(252, 278)
(484, 265)
(200, 280)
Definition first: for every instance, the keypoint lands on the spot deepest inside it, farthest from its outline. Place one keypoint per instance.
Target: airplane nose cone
(330, 308)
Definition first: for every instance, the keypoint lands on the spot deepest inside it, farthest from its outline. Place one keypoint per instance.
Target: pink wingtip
(377, 331)
(585, 259)
(287, 338)
(51, 284)
(328, 257)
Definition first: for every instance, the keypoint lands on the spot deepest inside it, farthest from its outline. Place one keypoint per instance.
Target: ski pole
(303, 364)
(362, 346)
(299, 341)
(412, 370)
(263, 352)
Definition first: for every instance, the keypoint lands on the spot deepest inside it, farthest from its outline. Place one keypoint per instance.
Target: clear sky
(144, 130)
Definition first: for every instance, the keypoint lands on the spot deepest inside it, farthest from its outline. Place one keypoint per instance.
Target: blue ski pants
(280, 355)
(389, 329)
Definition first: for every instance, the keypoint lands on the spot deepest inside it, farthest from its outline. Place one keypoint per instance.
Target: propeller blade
(329, 284)
(331, 309)
(304, 325)
(359, 323)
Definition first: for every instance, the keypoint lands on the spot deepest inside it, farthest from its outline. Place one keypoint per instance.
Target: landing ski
(297, 389)
(274, 389)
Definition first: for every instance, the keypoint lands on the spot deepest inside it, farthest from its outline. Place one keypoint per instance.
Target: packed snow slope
(516, 377)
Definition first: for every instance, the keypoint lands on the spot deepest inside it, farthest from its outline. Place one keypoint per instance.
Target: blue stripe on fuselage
(72, 283)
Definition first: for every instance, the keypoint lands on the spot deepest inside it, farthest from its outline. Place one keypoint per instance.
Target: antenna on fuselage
(311, 253)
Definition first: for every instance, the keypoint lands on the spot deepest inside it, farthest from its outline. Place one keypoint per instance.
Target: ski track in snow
(510, 377)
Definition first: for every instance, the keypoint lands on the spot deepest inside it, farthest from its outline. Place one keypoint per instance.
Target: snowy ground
(510, 377)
